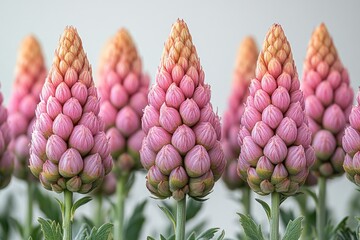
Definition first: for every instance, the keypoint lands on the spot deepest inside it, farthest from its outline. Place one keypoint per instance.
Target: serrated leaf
(251, 229)
(293, 229)
(208, 234)
(135, 222)
(50, 229)
(162, 237)
(79, 203)
(286, 216)
(192, 236)
(82, 233)
(221, 236)
(169, 215)
(101, 233)
(266, 207)
(193, 207)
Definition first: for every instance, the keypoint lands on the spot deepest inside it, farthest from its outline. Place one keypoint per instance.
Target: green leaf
(136, 221)
(286, 216)
(150, 238)
(79, 203)
(208, 234)
(265, 207)
(197, 227)
(162, 237)
(169, 215)
(82, 233)
(222, 235)
(293, 229)
(192, 236)
(251, 229)
(51, 229)
(193, 208)
(172, 237)
(101, 233)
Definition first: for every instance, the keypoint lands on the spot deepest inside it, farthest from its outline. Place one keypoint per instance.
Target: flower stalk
(180, 219)
(67, 221)
(246, 200)
(321, 209)
(120, 207)
(275, 212)
(29, 214)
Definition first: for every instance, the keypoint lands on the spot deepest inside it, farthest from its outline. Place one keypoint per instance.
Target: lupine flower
(123, 89)
(244, 72)
(30, 74)
(275, 152)
(328, 101)
(69, 149)
(351, 145)
(182, 150)
(6, 156)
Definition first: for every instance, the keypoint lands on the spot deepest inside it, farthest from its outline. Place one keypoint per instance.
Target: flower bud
(50, 171)
(201, 186)
(296, 113)
(156, 97)
(295, 161)
(70, 163)
(205, 135)
(80, 92)
(190, 112)
(63, 126)
(250, 151)
(53, 107)
(268, 83)
(158, 137)
(169, 118)
(324, 93)
(72, 108)
(74, 184)
(202, 95)
(354, 117)
(116, 142)
(55, 148)
(334, 119)
(197, 161)
(264, 168)
(281, 99)
(127, 121)
(261, 100)
(280, 173)
(93, 168)
(272, 116)
(351, 141)
(287, 131)
(118, 96)
(183, 139)
(324, 144)
(250, 117)
(174, 96)
(81, 139)
(261, 133)
(275, 150)
(150, 118)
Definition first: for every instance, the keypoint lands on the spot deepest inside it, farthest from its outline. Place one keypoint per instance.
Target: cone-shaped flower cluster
(69, 149)
(351, 145)
(328, 101)
(123, 90)
(244, 72)
(30, 74)
(6, 156)
(182, 151)
(275, 153)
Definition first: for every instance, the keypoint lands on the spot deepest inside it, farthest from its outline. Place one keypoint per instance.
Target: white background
(217, 27)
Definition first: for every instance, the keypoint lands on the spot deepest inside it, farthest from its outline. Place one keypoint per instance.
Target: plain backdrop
(217, 27)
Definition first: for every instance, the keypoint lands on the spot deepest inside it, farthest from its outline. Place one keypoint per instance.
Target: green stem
(275, 210)
(29, 215)
(99, 211)
(246, 200)
(321, 209)
(121, 195)
(67, 228)
(180, 219)
(302, 201)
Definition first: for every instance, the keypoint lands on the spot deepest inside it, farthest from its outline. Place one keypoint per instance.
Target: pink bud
(118, 96)
(314, 108)
(55, 147)
(93, 169)
(334, 79)
(264, 168)
(44, 124)
(71, 77)
(50, 171)
(253, 177)
(281, 99)
(53, 107)
(147, 155)
(156, 96)
(324, 93)
(116, 141)
(167, 159)
(254, 86)
(157, 138)
(90, 120)
(334, 119)
(217, 160)
(266, 187)
(163, 79)
(134, 142)
(303, 136)
(202, 95)
(56, 77)
(295, 161)
(138, 102)
(242, 134)
(178, 178)
(108, 114)
(205, 135)
(287, 131)
(272, 116)
(275, 150)
(177, 74)
(324, 144)
(296, 113)
(279, 174)
(261, 133)
(38, 144)
(80, 92)
(150, 118)
(47, 91)
(63, 126)
(27, 106)
(187, 86)
(174, 96)
(261, 100)
(70, 163)
(127, 121)
(169, 118)
(250, 151)
(72, 108)
(18, 120)
(81, 139)
(250, 118)
(73, 184)
(297, 96)
(101, 145)
(40, 108)
(312, 79)
(274, 67)
(190, 112)
(108, 164)
(268, 83)
(354, 117)
(284, 80)
(351, 141)
(344, 96)
(21, 145)
(197, 161)
(242, 167)
(35, 164)
(92, 105)
(337, 159)
(62, 92)
(183, 139)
